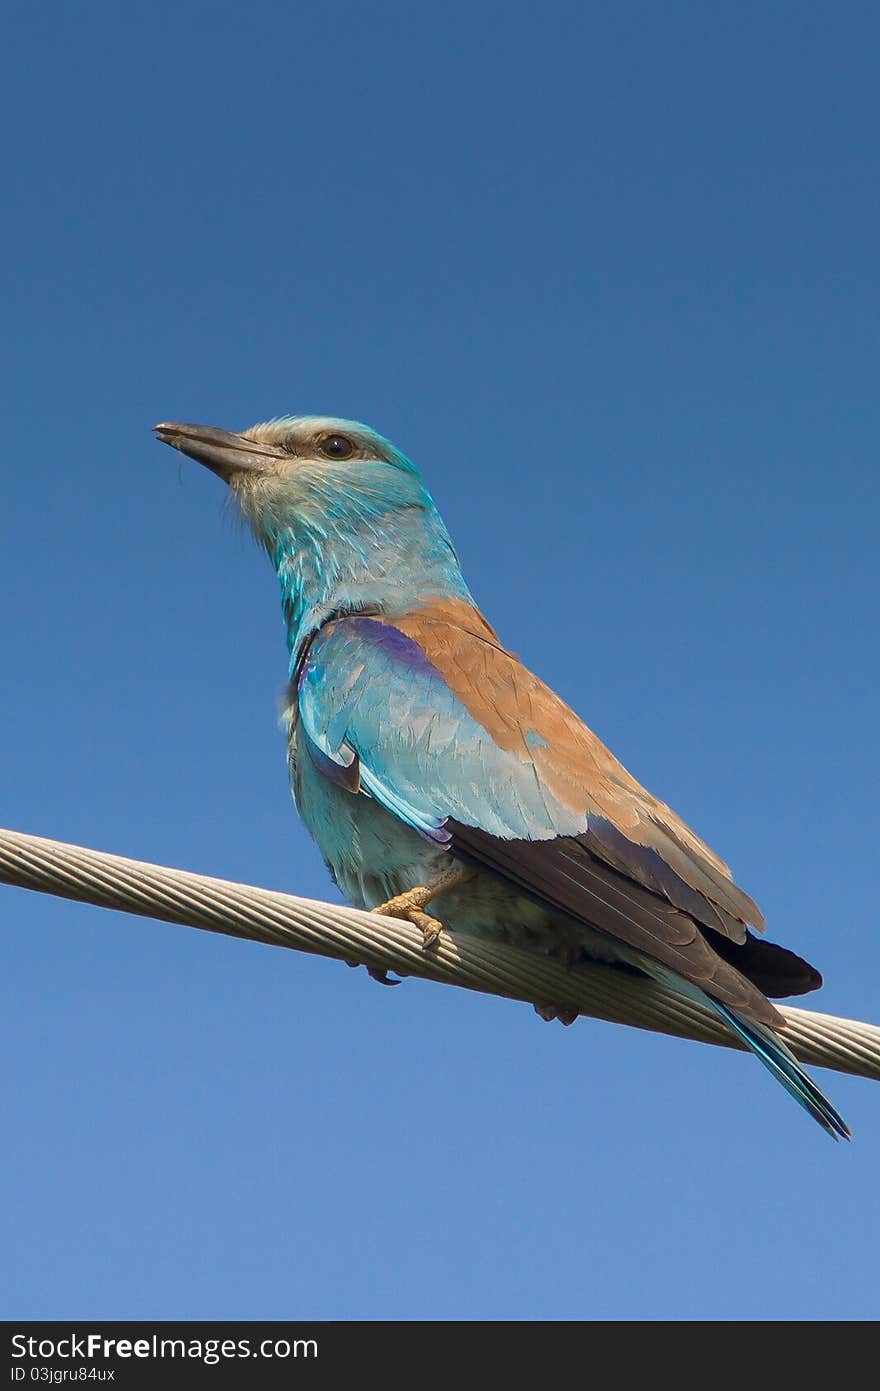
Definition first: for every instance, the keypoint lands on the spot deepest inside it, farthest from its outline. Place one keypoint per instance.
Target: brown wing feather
(632, 831)
(563, 875)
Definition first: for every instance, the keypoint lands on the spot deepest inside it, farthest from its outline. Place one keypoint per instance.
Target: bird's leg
(411, 905)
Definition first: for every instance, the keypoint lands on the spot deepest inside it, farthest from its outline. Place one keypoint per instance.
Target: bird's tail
(784, 1066)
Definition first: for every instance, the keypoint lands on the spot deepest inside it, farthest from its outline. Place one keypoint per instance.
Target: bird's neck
(361, 563)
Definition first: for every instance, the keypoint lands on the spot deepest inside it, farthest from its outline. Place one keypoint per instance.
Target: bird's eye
(336, 446)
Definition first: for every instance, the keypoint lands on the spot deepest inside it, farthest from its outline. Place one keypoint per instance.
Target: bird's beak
(219, 450)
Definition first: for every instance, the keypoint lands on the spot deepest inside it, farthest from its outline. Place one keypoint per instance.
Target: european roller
(446, 784)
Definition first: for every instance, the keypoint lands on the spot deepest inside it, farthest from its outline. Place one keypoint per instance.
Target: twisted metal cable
(325, 929)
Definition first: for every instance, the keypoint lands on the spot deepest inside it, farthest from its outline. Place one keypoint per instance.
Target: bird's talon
(379, 974)
(564, 1013)
(430, 928)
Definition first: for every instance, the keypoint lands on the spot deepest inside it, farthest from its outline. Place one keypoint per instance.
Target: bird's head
(344, 515)
(303, 471)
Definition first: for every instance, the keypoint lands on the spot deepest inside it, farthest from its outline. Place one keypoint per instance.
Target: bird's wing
(428, 714)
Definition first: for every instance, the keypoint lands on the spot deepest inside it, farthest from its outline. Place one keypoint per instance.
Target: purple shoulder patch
(392, 641)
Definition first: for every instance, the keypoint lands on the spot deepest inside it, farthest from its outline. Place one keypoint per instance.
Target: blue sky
(609, 275)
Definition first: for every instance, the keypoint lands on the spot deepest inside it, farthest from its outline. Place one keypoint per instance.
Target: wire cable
(387, 944)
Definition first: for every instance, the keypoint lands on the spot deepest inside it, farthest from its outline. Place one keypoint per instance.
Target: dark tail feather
(787, 1070)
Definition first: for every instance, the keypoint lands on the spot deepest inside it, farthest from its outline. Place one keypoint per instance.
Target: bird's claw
(377, 973)
(429, 927)
(564, 1013)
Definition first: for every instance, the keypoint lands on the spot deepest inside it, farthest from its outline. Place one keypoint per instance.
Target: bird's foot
(564, 1013)
(377, 973)
(410, 907)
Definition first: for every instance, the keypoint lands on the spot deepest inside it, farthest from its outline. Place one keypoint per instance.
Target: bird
(444, 782)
